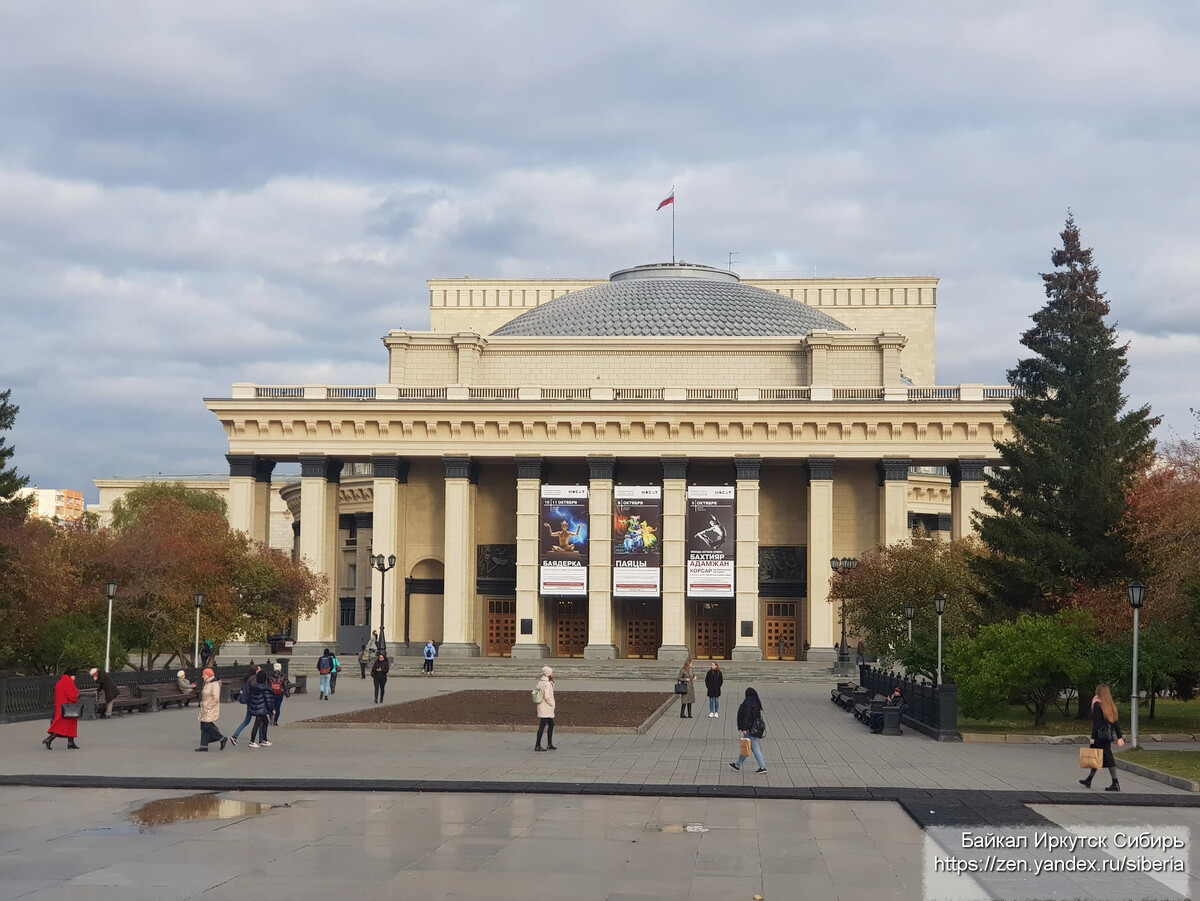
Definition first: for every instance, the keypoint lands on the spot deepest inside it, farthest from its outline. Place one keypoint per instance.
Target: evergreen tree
(11, 506)
(1059, 498)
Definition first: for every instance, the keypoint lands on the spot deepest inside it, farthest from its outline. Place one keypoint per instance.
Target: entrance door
(711, 640)
(781, 624)
(501, 628)
(570, 628)
(641, 638)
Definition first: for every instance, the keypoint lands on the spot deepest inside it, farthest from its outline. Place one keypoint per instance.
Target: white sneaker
(716, 716)
(711, 715)
(253, 744)
(266, 744)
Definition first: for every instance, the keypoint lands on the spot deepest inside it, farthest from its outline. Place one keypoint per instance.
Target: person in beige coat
(210, 711)
(545, 711)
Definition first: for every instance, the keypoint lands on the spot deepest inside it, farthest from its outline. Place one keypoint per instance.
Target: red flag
(670, 199)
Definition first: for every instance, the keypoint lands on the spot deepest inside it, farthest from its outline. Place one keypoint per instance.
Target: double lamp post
(378, 562)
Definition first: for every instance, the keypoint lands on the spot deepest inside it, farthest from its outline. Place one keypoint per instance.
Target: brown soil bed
(618, 710)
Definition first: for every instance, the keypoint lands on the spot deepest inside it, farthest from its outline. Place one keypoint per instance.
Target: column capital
(602, 467)
(462, 468)
(967, 471)
(675, 467)
(893, 469)
(390, 466)
(748, 468)
(263, 469)
(529, 467)
(319, 466)
(242, 466)
(820, 469)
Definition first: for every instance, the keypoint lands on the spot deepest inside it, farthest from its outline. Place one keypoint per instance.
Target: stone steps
(613, 670)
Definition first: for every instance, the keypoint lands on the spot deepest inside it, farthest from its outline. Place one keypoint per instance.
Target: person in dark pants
(379, 674)
(687, 700)
(1104, 729)
(108, 690)
(260, 708)
(430, 653)
(545, 711)
(279, 691)
(337, 668)
(365, 659)
(244, 697)
(210, 711)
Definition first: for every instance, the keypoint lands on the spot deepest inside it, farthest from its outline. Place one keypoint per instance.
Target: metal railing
(932, 709)
(279, 391)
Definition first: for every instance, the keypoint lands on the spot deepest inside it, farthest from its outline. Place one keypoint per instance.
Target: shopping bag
(744, 747)
(1091, 758)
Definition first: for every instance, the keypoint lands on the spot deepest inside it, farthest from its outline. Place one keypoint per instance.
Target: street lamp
(939, 601)
(910, 611)
(111, 590)
(1137, 594)
(199, 598)
(378, 561)
(844, 565)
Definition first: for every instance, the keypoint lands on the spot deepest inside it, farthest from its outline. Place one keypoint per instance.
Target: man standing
(325, 670)
(430, 653)
(210, 711)
(108, 690)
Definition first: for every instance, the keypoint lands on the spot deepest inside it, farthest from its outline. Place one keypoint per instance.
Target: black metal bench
(167, 693)
(843, 695)
(132, 698)
(865, 707)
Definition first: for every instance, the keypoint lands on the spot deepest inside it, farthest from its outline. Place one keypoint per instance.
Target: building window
(347, 611)
(352, 575)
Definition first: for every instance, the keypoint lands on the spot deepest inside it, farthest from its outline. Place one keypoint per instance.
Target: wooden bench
(131, 698)
(170, 693)
(843, 695)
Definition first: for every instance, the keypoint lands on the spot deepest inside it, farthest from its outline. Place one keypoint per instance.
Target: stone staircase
(663, 671)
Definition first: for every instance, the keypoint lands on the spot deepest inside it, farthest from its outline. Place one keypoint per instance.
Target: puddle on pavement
(679, 828)
(195, 807)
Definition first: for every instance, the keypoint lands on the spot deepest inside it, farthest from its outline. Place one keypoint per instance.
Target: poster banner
(564, 541)
(711, 541)
(637, 542)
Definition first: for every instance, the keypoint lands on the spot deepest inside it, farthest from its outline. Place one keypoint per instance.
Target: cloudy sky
(197, 194)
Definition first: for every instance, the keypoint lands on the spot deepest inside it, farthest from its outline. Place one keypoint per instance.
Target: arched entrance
(424, 600)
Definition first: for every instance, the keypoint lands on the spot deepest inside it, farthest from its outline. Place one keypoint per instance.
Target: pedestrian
(65, 692)
(333, 673)
(687, 700)
(210, 711)
(244, 697)
(206, 653)
(279, 691)
(379, 674)
(430, 653)
(712, 682)
(373, 643)
(259, 707)
(861, 654)
(545, 710)
(365, 659)
(108, 688)
(750, 724)
(325, 669)
(782, 647)
(1105, 728)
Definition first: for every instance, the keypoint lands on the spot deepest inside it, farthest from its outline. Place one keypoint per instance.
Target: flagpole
(672, 225)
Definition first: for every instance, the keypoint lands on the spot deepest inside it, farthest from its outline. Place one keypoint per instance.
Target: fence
(932, 709)
(32, 697)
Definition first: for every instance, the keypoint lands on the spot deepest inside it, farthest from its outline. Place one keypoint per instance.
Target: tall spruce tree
(1059, 497)
(11, 506)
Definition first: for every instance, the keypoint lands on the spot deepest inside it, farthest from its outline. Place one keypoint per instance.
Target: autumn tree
(1058, 500)
(137, 501)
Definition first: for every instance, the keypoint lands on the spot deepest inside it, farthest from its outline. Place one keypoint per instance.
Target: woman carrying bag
(66, 712)
(1104, 729)
(750, 724)
(688, 698)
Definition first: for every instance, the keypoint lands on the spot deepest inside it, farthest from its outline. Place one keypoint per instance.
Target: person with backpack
(259, 707)
(325, 669)
(243, 697)
(429, 653)
(279, 691)
(333, 674)
(379, 674)
(750, 724)
(543, 696)
(365, 659)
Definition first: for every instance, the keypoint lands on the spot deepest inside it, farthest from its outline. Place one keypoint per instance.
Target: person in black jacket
(712, 683)
(379, 674)
(108, 690)
(260, 705)
(750, 724)
(1104, 729)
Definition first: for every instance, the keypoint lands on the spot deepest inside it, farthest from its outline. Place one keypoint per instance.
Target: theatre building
(660, 464)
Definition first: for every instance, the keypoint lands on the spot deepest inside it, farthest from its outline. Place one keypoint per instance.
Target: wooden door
(571, 633)
(501, 628)
(641, 638)
(711, 642)
(781, 624)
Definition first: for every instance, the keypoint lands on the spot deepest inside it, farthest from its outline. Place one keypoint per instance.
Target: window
(352, 575)
(346, 606)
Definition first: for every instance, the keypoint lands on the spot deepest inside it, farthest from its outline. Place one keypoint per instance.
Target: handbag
(72, 711)
(1091, 758)
(758, 727)
(1104, 733)
(681, 687)
(744, 747)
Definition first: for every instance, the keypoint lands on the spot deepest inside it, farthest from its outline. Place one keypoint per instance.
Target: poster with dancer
(637, 541)
(564, 541)
(711, 541)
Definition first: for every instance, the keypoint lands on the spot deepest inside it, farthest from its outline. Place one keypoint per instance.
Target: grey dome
(670, 299)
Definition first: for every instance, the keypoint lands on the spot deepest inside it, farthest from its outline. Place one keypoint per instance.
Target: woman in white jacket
(545, 710)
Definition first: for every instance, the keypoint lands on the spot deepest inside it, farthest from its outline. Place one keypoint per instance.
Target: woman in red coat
(65, 692)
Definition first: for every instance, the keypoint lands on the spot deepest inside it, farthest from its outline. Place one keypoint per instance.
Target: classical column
(674, 578)
(821, 635)
(967, 487)
(460, 618)
(319, 479)
(893, 500)
(249, 507)
(389, 508)
(531, 642)
(600, 644)
(746, 607)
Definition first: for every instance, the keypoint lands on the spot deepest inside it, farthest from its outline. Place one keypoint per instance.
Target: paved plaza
(423, 813)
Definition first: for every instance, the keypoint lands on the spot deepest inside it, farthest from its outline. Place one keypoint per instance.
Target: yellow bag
(1091, 758)
(744, 747)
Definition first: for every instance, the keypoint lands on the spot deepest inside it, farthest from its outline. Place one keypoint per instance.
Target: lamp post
(111, 590)
(939, 601)
(379, 563)
(909, 612)
(844, 565)
(1137, 594)
(199, 599)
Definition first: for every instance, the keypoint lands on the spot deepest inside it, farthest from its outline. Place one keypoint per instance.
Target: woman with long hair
(687, 700)
(1104, 730)
(545, 710)
(713, 680)
(751, 726)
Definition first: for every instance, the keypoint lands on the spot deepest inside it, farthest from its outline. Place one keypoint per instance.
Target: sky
(193, 195)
